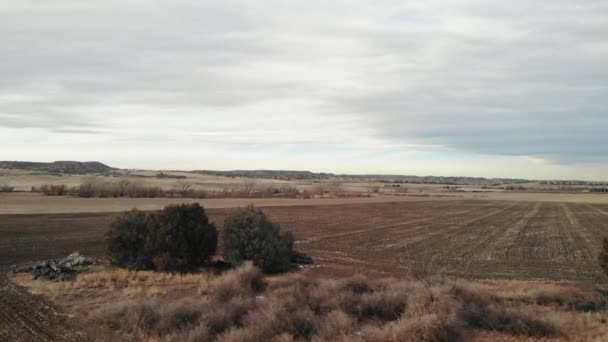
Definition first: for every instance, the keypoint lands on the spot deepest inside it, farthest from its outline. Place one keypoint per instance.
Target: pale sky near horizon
(513, 89)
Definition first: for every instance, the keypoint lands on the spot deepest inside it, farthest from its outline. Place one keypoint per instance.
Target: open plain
(473, 238)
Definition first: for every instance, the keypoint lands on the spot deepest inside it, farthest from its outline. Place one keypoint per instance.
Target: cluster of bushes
(515, 188)
(242, 306)
(52, 189)
(100, 189)
(183, 189)
(180, 237)
(120, 188)
(125, 188)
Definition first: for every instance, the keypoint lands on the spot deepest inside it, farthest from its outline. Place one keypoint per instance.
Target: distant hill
(307, 175)
(270, 174)
(75, 167)
(68, 167)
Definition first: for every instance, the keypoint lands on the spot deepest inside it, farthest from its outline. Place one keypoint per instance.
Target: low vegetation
(245, 305)
(52, 189)
(123, 187)
(6, 188)
(250, 235)
(178, 238)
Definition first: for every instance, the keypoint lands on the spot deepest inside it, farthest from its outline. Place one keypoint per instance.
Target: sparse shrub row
(52, 189)
(90, 189)
(123, 188)
(182, 189)
(242, 306)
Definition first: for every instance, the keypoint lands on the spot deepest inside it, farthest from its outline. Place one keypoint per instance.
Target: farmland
(479, 239)
(475, 239)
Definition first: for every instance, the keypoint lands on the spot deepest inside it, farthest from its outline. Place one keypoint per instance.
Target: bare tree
(318, 190)
(122, 186)
(184, 188)
(372, 188)
(249, 185)
(334, 185)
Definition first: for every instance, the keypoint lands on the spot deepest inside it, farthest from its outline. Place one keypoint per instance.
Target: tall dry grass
(244, 305)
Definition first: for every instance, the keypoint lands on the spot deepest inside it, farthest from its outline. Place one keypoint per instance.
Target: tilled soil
(26, 317)
(473, 239)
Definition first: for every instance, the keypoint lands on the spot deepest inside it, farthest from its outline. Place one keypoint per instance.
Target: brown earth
(34, 203)
(24, 317)
(472, 238)
(489, 239)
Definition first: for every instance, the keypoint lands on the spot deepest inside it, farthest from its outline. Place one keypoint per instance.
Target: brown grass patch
(244, 305)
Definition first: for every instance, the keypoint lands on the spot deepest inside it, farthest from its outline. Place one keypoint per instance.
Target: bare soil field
(488, 239)
(34, 203)
(475, 239)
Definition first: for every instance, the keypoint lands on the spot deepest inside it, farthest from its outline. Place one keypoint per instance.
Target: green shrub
(250, 235)
(127, 238)
(178, 238)
(184, 238)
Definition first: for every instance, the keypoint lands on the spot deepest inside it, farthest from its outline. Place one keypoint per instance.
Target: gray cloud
(516, 79)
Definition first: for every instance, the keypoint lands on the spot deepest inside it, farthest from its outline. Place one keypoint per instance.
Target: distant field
(23, 180)
(32, 203)
(478, 239)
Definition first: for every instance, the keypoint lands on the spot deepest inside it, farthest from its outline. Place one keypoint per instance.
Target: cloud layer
(319, 85)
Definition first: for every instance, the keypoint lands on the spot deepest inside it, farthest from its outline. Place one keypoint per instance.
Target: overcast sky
(472, 88)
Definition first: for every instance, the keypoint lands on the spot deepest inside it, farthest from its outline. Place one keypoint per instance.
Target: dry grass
(131, 284)
(243, 305)
(52, 189)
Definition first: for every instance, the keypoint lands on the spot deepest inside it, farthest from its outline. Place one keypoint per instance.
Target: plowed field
(473, 239)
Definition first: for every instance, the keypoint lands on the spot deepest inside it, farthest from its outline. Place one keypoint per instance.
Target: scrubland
(245, 305)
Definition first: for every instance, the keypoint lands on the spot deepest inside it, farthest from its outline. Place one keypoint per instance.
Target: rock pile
(299, 258)
(62, 269)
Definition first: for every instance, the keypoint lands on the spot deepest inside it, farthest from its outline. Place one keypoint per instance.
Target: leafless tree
(372, 188)
(249, 185)
(122, 186)
(184, 188)
(334, 185)
(318, 189)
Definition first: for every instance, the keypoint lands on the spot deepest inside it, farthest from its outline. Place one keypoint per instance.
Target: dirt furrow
(501, 248)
